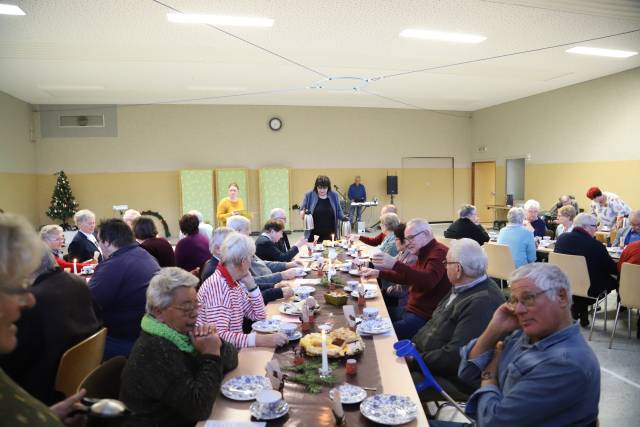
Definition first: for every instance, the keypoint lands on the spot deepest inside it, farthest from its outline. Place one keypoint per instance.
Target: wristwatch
(488, 375)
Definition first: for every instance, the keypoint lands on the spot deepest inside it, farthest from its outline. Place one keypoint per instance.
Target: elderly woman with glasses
(175, 369)
(53, 236)
(20, 253)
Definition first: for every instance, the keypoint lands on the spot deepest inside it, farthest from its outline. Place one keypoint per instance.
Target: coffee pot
(345, 229)
(308, 221)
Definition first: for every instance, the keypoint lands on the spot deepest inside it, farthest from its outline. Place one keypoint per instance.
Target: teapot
(308, 222)
(345, 229)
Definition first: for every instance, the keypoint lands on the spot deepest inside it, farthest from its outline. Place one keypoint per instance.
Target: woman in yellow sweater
(229, 206)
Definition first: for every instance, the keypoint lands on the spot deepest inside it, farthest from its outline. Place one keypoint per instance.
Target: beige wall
(17, 158)
(174, 137)
(575, 137)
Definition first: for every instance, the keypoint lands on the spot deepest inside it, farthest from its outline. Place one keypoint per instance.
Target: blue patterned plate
(280, 411)
(374, 327)
(266, 325)
(244, 387)
(349, 393)
(389, 409)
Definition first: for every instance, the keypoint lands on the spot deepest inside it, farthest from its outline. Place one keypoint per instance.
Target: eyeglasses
(413, 236)
(445, 262)
(187, 308)
(528, 300)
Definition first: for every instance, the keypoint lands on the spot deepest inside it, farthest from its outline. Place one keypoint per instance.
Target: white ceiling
(126, 52)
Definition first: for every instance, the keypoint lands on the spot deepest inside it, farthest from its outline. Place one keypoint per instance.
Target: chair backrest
(630, 285)
(501, 263)
(104, 381)
(575, 267)
(79, 360)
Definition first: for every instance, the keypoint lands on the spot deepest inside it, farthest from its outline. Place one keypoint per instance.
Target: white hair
(275, 211)
(236, 248)
(390, 221)
(545, 277)
(531, 204)
(197, 214)
(515, 216)
(218, 236)
(48, 232)
(83, 215)
(466, 211)
(389, 209)
(130, 214)
(239, 223)
(164, 283)
(20, 251)
(420, 224)
(470, 255)
(634, 214)
(584, 219)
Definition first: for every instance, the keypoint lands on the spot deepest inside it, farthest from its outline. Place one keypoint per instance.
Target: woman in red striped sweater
(231, 294)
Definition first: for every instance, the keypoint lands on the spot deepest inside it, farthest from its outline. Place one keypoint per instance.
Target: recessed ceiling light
(442, 36)
(9, 9)
(596, 51)
(233, 21)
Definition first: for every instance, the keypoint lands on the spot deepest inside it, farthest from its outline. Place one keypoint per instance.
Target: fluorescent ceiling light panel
(596, 51)
(218, 20)
(442, 36)
(9, 9)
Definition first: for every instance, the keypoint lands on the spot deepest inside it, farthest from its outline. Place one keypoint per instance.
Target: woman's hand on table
(287, 292)
(295, 263)
(206, 340)
(369, 273)
(271, 340)
(383, 260)
(288, 274)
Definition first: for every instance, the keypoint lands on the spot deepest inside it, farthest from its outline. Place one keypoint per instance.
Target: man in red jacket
(427, 279)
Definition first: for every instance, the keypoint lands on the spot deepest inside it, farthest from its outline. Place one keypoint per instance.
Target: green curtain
(274, 191)
(197, 192)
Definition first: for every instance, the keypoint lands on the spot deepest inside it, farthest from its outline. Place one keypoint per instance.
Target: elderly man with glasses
(544, 373)
(427, 279)
(602, 269)
(460, 317)
(630, 233)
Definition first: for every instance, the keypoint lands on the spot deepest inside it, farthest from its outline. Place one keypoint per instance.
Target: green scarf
(153, 326)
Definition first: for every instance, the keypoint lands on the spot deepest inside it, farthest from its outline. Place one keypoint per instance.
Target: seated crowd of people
(180, 316)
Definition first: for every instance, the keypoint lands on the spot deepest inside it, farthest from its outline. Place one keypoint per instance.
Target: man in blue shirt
(630, 233)
(544, 373)
(357, 193)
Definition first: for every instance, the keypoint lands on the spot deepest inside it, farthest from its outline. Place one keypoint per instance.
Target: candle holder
(325, 373)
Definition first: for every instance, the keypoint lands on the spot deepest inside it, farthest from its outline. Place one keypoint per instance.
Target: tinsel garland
(157, 215)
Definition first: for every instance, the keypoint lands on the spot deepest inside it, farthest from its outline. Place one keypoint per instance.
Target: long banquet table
(394, 375)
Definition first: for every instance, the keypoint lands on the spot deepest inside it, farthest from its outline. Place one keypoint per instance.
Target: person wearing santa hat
(609, 208)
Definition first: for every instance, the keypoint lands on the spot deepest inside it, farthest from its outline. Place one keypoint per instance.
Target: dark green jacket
(450, 328)
(164, 386)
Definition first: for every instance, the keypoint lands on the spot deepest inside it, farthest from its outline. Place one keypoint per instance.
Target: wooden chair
(78, 361)
(629, 295)
(501, 263)
(104, 381)
(575, 267)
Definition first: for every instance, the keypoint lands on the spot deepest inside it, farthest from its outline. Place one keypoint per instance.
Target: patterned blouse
(613, 207)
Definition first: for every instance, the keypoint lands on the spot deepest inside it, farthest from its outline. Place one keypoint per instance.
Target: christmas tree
(63, 204)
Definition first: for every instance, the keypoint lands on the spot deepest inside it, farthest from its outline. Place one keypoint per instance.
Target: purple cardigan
(119, 287)
(192, 252)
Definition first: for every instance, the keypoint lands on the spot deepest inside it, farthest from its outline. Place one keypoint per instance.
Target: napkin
(336, 407)
(274, 374)
(350, 315)
(307, 282)
(305, 311)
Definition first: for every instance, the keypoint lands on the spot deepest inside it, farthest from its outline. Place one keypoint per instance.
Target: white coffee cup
(369, 313)
(546, 238)
(302, 294)
(352, 285)
(299, 271)
(289, 329)
(268, 400)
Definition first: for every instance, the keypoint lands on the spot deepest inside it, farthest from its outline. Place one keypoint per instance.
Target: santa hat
(594, 192)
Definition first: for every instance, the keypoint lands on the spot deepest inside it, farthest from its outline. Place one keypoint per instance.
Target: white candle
(332, 238)
(75, 266)
(325, 360)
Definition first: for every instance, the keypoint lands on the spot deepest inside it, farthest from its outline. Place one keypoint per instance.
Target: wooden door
(484, 189)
